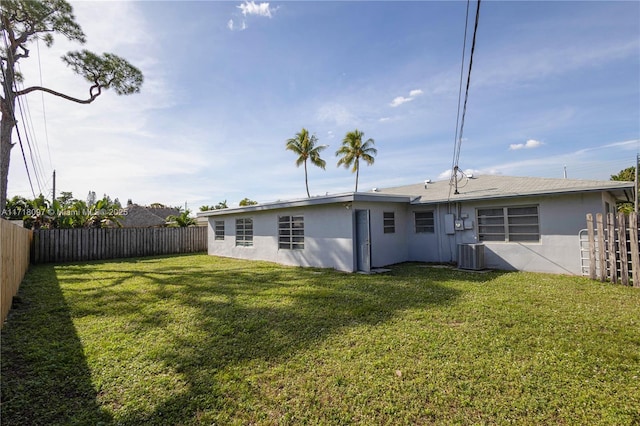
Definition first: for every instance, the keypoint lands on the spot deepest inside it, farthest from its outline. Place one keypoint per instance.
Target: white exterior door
(363, 240)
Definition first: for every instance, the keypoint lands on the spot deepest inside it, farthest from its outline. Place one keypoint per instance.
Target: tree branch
(92, 97)
(17, 55)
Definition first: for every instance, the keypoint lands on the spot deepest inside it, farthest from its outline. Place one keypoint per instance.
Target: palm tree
(304, 145)
(353, 149)
(182, 220)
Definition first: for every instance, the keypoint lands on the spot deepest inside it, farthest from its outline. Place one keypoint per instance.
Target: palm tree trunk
(357, 173)
(306, 180)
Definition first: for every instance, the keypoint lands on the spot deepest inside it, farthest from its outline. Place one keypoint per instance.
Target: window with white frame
(389, 222)
(218, 229)
(424, 222)
(244, 232)
(511, 224)
(291, 232)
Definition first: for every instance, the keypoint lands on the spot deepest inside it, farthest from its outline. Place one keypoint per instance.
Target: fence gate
(610, 248)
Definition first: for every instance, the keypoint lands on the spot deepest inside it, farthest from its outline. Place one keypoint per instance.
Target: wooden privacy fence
(70, 245)
(614, 251)
(14, 257)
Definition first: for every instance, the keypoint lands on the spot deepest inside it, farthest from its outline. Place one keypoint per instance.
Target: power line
(33, 154)
(28, 121)
(464, 51)
(44, 112)
(13, 116)
(459, 135)
(27, 124)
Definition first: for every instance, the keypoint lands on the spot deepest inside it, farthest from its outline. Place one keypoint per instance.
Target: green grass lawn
(192, 340)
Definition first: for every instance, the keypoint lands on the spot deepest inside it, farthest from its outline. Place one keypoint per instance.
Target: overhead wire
(34, 153)
(44, 111)
(29, 133)
(459, 135)
(13, 115)
(462, 62)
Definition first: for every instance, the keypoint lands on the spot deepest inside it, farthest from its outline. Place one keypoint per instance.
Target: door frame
(363, 240)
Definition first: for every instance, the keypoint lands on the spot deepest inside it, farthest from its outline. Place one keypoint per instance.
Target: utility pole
(53, 198)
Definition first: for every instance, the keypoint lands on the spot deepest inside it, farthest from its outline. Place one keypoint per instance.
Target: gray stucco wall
(560, 219)
(390, 248)
(330, 234)
(328, 243)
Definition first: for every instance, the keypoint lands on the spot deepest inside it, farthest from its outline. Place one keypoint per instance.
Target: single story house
(498, 222)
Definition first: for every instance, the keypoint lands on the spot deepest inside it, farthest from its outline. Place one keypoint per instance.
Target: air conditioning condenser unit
(471, 256)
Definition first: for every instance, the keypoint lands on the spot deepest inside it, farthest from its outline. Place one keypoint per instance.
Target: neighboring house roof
(146, 217)
(477, 188)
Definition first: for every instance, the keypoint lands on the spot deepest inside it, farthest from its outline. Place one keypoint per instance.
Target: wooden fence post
(622, 245)
(602, 255)
(611, 240)
(592, 247)
(635, 250)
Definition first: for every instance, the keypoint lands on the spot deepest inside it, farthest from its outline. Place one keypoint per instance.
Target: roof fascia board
(419, 201)
(305, 202)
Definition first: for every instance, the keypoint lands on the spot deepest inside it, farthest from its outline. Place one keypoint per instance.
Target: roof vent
(375, 190)
(426, 182)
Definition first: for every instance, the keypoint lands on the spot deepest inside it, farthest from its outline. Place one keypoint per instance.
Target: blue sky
(553, 84)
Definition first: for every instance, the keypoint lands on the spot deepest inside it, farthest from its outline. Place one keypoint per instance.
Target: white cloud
(530, 144)
(399, 100)
(253, 8)
(232, 25)
(470, 172)
(630, 145)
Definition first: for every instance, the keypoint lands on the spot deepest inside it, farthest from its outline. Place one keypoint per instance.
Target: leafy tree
(353, 149)
(306, 148)
(247, 202)
(65, 198)
(629, 175)
(219, 206)
(41, 214)
(25, 21)
(103, 214)
(181, 220)
(64, 212)
(17, 208)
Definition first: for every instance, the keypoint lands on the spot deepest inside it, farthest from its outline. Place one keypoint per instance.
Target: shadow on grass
(45, 376)
(240, 312)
